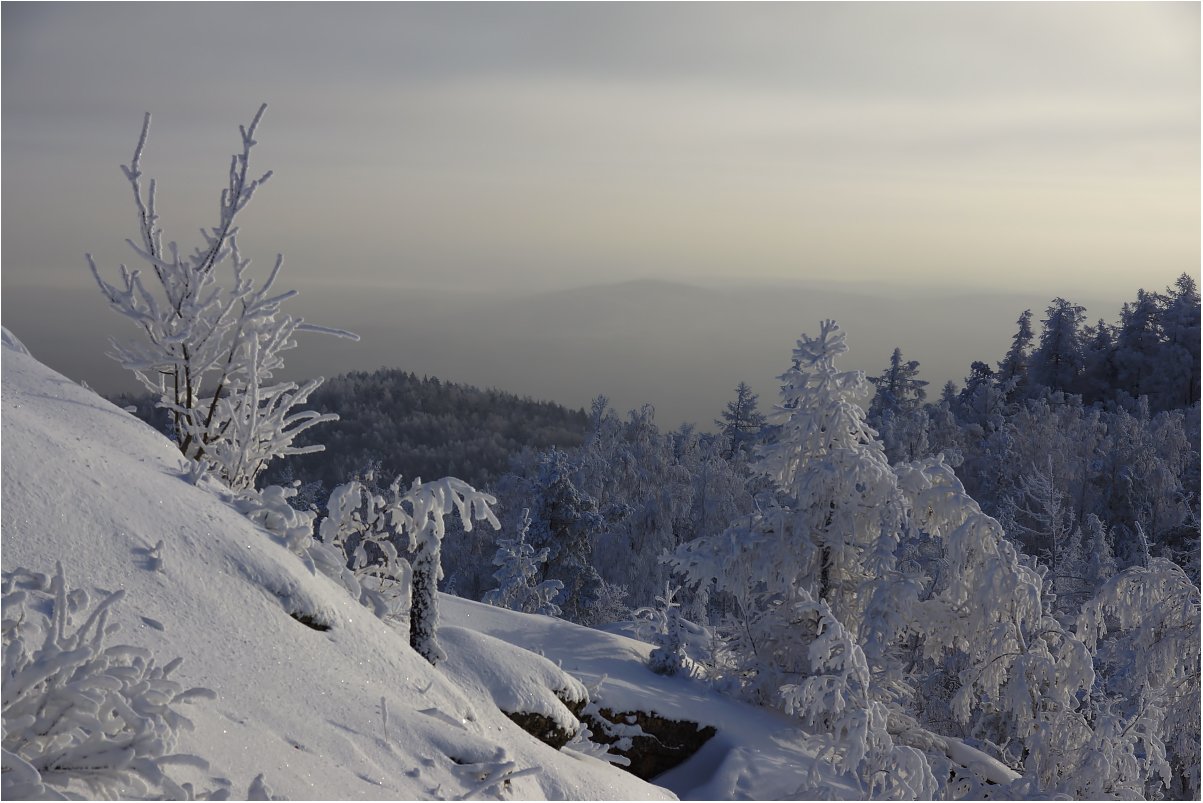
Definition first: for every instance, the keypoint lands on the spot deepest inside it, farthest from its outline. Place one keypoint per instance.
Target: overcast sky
(1010, 147)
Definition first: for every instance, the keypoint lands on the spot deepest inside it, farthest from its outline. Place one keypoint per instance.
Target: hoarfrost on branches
(1143, 625)
(82, 717)
(835, 702)
(381, 537)
(519, 567)
(210, 350)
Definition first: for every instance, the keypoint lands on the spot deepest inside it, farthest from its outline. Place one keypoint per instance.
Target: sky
(509, 150)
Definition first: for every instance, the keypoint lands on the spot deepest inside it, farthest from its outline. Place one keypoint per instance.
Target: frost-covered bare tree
(379, 535)
(212, 347)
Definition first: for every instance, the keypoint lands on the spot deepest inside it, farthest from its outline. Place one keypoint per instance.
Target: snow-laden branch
(210, 349)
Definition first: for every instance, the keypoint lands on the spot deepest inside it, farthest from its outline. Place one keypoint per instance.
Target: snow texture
(347, 713)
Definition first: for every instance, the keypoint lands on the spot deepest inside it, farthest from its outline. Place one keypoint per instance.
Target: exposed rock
(656, 744)
(542, 728)
(546, 729)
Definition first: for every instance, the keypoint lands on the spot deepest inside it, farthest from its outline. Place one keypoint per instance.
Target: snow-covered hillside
(351, 712)
(756, 754)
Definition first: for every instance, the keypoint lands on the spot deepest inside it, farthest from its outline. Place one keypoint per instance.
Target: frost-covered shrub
(667, 629)
(518, 571)
(211, 350)
(82, 717)
(609, 604)
(358, 527)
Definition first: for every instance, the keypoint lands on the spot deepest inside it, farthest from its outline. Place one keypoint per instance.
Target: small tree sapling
(211, 350)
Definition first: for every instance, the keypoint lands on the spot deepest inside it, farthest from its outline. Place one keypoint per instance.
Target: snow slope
(351, 712)
(757, 754)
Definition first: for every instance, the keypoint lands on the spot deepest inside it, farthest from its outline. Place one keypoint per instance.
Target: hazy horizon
(681, 347)
(429, 157)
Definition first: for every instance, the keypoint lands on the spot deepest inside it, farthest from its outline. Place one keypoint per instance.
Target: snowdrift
(346, 713)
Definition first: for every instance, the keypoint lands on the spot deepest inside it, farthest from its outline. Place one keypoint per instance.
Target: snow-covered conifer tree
(664, 626)
(842, 496)
(1039, 517)
(212, 349)
(830, 532)
(1098, 380)
(1057, 361)
(897, 389)
(1177, 379)
(1013, 370)
(517, 576)
(896, 412)
(564, 521)
(741, 421)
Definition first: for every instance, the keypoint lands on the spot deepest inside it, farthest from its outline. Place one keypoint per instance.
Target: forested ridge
(392, 422)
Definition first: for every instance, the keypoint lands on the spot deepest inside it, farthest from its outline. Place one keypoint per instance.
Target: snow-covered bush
(664, 626)
(82, 717)
(359, 528)
(211, 349)
(519, 589)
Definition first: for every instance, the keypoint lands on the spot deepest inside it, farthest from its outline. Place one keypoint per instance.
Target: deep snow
(757, 754)
(87, 484)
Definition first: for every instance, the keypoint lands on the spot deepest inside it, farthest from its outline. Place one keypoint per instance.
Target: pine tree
(1057, 362)
(1098, 381)
(1013, 370)
(517, 575)
(1178, 374)
(741, 422)
(898, 388)
(896, 411)
(1138, 345)
(830, 527)
(565, 522)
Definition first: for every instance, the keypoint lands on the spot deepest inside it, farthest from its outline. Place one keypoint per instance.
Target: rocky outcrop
(546, 729)
(653, 744)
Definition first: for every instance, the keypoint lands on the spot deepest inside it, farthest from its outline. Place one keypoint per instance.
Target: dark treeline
(396, 423)
(392, 422)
